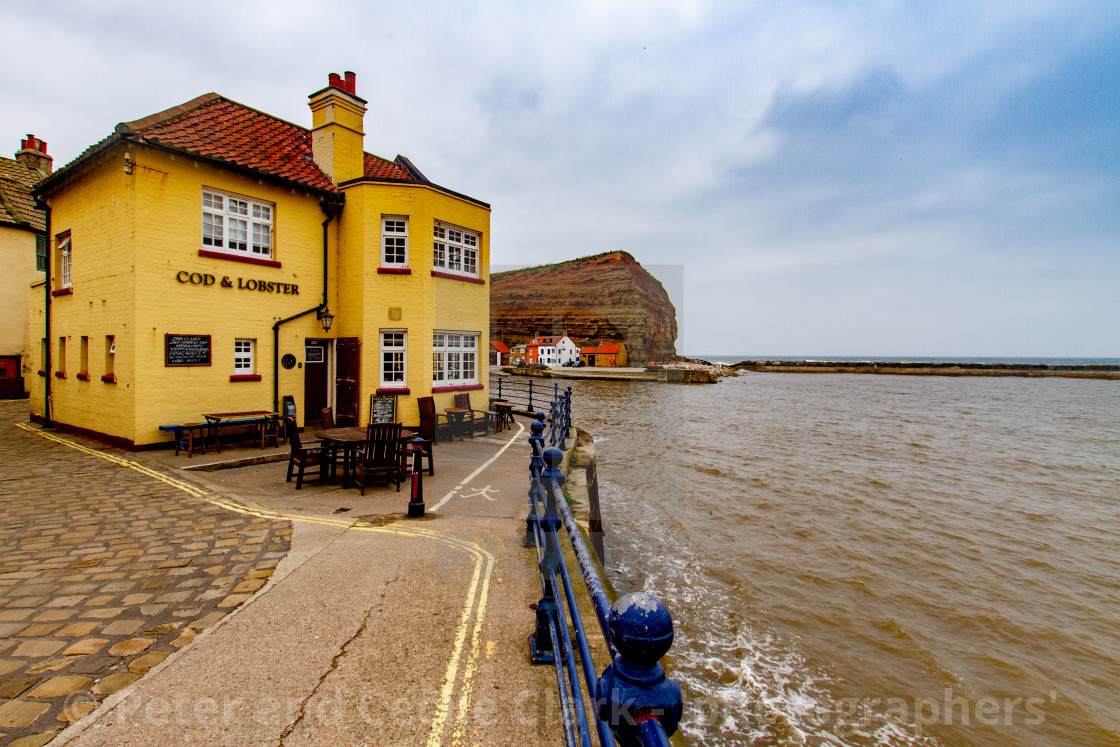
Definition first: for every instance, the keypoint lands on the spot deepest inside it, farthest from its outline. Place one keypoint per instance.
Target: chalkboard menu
(383, 408)
(186, 350)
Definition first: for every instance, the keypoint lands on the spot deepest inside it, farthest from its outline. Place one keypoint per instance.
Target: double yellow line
(474, 606)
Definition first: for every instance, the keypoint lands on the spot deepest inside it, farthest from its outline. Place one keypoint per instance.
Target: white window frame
(244, 355)
(394, 241)
(237, 225)
(454, 358)
(455, 250)
(64, 269)
(394, 356)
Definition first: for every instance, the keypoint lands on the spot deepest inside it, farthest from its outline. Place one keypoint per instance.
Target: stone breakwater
(915, 368)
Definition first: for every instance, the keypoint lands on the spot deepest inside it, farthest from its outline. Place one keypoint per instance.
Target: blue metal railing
(529, 395)
(633, 700)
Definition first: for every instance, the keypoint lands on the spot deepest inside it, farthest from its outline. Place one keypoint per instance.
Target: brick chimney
(336, 128)
(33, 154)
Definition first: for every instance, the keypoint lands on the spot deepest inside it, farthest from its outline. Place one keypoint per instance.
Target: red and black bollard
(416, 502)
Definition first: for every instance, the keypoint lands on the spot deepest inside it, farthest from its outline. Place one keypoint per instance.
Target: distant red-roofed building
(552, 350)
(224, 259)
(609, 354)
(499, 351)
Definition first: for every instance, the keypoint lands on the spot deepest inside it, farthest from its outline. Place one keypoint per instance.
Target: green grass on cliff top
(557, 265)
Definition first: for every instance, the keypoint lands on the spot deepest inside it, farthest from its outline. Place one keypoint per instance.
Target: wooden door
(348, 351)
(316, 380)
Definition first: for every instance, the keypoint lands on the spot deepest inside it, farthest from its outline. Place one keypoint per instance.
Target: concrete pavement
(372, 629)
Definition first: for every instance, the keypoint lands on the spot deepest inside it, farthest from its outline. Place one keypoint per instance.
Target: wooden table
(456, 416)
(349, 440)
(258, 418)
(504, 415)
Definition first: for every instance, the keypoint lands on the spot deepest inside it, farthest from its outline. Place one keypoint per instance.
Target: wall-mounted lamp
(326, 318)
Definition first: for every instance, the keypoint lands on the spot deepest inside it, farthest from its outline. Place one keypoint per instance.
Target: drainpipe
(330, 208)
(47, 423)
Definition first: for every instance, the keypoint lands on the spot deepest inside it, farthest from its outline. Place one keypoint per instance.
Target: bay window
(454, 358)
(455, 250)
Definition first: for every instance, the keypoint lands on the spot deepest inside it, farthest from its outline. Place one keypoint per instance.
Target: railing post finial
(634, 689)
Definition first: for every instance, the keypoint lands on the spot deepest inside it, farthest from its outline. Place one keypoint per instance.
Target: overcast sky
(828, 178)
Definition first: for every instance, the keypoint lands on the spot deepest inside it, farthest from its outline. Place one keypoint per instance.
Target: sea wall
(664, 375)
(903, 368)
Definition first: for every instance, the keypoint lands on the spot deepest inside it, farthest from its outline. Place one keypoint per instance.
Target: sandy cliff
(605, 298)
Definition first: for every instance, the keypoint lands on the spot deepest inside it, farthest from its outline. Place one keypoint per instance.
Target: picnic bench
(264, 425)
(187, 436)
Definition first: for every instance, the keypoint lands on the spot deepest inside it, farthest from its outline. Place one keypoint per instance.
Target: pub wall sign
(250, 284)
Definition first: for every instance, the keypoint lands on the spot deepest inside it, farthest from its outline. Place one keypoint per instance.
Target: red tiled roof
(588, 351)
(610, 347)
(501, 347)
(379, 168)
(216, 128)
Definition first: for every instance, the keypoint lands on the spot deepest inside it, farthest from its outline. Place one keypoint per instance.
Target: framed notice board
(186, 350)
(383, 408)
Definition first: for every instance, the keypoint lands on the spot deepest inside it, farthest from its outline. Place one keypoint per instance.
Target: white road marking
(471, 476)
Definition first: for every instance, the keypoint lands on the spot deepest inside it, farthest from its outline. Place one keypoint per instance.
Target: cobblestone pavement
(105, 572)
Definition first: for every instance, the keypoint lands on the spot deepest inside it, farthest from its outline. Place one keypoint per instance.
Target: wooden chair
(303, 456)
(335, 454)
(381, 456)
(427, 407)
(475, 418)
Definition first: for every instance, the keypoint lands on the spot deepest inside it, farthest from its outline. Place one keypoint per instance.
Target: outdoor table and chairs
(503, 415)
(363, 455)
(456, 417)
(349, 441)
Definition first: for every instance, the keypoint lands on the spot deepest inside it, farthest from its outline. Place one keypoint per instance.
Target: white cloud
(762, 145)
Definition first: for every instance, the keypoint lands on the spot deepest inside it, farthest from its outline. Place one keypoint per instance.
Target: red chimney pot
(334, 79)
(351, 83)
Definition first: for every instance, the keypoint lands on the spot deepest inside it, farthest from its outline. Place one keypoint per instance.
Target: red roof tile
(499, 346)
(610, 347)
(588, 351)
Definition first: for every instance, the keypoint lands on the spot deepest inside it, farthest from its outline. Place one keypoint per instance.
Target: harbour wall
(904, 368)
(663, 375)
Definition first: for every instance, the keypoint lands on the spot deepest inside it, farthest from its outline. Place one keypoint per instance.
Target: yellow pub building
(214, 258)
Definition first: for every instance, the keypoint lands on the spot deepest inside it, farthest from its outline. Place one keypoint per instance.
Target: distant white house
(552, 350)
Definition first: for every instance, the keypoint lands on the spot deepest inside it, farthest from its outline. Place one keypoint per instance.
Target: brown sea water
(874, 559)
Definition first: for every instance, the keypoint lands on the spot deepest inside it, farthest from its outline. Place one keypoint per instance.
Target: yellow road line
(483, 570)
